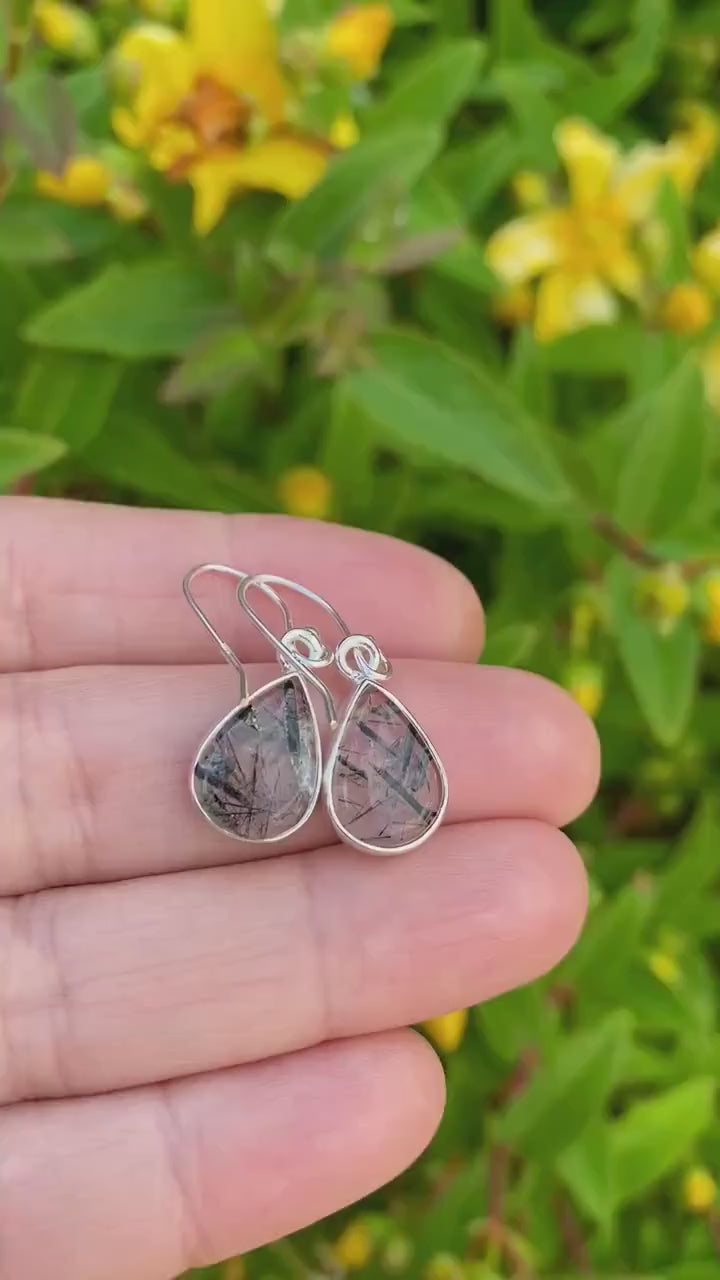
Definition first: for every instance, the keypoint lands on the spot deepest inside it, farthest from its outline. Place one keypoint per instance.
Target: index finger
(84, 583)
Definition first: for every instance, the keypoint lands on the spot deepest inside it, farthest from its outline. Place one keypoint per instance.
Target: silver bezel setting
(241, 706)
(377, 850)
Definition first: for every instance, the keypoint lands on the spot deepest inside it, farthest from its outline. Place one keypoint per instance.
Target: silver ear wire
(300, 648)
(228, 653)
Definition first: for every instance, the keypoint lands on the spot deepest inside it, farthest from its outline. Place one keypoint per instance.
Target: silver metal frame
(249, 698)
(378, 850)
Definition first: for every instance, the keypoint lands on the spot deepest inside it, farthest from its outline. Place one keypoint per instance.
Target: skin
(204, 1046)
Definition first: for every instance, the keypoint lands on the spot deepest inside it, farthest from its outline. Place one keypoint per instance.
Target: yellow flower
(305, 491)
(686, 309)
(358, 36)
(67, 29)
(699, 1190)
(353, 1249)
(665, 968)
(448, 1031)
(585, 682)
(584, 253)
(213, 106)
(85, 181)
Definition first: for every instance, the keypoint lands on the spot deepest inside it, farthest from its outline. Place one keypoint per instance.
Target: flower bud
(305, 491)
(686, 309)
(163, 10)
(448, 1031)
(67, 29)
(699, 1190)
(665, 596)
(664, 966)
(444, 1266)
(585, 681)
(353, 1249)
(515, 306)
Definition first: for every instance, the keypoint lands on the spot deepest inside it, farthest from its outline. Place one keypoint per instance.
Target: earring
(386, 790)
(385, 786)
(257, 775)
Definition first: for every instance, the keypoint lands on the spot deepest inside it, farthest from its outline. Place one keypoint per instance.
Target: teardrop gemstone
(387, 789)
(257, 776)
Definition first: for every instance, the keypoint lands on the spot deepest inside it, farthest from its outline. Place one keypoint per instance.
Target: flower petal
(623, 270)
(524, 248)
(85, 182)
(235, 43)
(155, 65)
(638, 178)
(566, 303)
(358, 37)
(286, 164)
(589, 158)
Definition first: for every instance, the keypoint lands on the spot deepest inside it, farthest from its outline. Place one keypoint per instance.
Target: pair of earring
(258, 774)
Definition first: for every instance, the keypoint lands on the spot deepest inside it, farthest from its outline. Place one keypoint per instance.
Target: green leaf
(535, 114)
(586, 1169)
(24, 452)
(214, 365)
(691, 871)
(431, 88)
(667, 459)
(378, 171)
(475, 171)
(662, 669)
(515, 31)
(428, 398)
(135, 454)
(656, 1135)
(601, 349)
(142, 311)
(672, 214)
(563, 1098)
(636, 59)
(34, 231)
(512, 1022)
(67, 396)
(610, 943)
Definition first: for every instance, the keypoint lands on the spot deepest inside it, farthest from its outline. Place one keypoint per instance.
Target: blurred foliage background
(450, 271)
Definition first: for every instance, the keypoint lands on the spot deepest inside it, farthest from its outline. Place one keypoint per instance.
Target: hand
(200, 1052)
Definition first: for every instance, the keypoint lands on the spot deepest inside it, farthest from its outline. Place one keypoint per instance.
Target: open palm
(202, 1047)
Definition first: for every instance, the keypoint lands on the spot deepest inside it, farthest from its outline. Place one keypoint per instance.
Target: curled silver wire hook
(228, 653)
(300, 648)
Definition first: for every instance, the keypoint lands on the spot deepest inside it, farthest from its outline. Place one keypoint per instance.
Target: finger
(81, 583)
(111, 986)
(153, 1182)
(96, 781)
